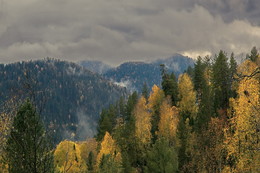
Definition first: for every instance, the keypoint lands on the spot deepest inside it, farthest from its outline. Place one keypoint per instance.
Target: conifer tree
(220, 82)
(254, 54)
(145, 91)
(162, 158)
(28, 148)
(169, 85)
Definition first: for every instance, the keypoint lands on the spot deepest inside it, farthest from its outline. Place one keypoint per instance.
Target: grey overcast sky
(114, 31)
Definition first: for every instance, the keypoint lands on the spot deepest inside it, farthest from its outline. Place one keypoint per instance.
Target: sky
(115, 31)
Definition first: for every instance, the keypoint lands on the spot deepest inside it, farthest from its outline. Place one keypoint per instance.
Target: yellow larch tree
(88, 152)
(155, 98)
(142, 122)
(67, 158)
(187, 95)
(168, 120)
(243, 137)
(109, 147)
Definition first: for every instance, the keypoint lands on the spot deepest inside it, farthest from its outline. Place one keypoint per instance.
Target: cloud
(120, 30)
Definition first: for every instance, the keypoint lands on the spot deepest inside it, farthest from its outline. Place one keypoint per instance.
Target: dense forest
(206, 120)
(68, 96)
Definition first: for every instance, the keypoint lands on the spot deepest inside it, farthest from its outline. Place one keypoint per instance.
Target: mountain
(133, 75)
(95, 66)
(177, 63)
(69, 97)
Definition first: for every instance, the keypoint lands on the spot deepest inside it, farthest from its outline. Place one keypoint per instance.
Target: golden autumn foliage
(155, 98)
(109, 147)
(67, 158)
(142, 122)
(168, 120)
(243, 143)
(86, 147)
(187, 95)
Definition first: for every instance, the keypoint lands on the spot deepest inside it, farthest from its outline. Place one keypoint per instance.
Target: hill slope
(71, 96)
(133, 75)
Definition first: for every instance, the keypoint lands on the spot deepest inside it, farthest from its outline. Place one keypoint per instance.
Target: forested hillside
(206, 120)
(134, 75)
(69, 97)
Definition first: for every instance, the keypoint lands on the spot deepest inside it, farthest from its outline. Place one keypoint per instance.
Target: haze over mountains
(133, 75)
(71, 96)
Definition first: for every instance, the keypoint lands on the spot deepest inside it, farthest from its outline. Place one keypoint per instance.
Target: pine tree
(28, 148)
(145, 91)
(220, 82)
(233, 71)
(107, 122)
(199, 78)
(254, 54)
(162, 158)
(169, 85)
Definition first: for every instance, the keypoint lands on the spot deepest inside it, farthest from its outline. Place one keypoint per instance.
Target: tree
(107, 122)
(169, 85)
(220, 82)
(154, 101)
(233, 71)
(187, 97)
(168, 123)
(199, 78)
(243, 134)
(108, 164)
(254, 54)
(188, 112)
(108, 147)
(145, 91)
(28, 148)
(67, 158)
(142, 122)
(162, 158)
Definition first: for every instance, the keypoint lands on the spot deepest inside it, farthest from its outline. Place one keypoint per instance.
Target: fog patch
(86, 126)
(126, 84)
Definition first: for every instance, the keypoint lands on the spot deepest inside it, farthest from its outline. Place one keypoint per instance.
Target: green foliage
(170, 85)
(109, 165)
(28, 148)
(145, 91)
(62, 92)
(220, 81)
(90, 161)
(254, 54)
(162, 158)
(107, 122)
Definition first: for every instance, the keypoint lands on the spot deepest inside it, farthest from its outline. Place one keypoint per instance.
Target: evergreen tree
(107, 122)
(145, 91)
(233, 71)
(28, 148)
(109, 165)
(220, 82)
(199, 79)
(254, 54)
(169, 85)
(162, 158)
(90, 161)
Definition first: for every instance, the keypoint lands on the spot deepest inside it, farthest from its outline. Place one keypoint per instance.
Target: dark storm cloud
(120, 30)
